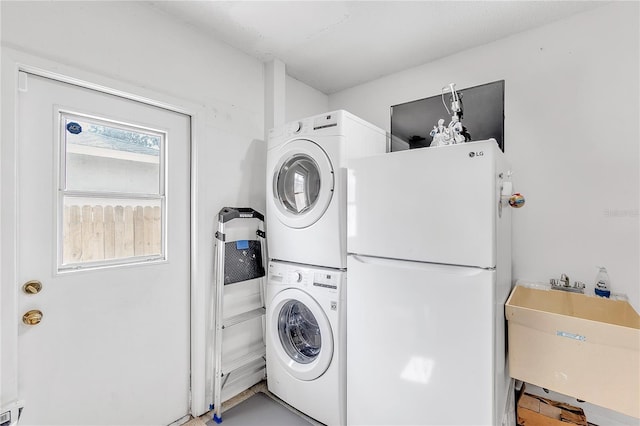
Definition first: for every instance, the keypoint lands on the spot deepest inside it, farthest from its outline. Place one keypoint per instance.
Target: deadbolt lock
(32, 287)
(33, 317)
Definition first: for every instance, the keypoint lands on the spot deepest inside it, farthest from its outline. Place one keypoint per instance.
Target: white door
(423, 333)
(303, 182)
(441, 204)
(103, 257)
(300, 333)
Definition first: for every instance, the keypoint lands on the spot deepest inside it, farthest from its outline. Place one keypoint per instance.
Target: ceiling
(335, 45)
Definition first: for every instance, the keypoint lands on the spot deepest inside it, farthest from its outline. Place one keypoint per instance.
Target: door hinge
(11, 413)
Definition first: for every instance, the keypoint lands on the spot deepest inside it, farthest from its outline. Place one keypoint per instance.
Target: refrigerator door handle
(460, 270)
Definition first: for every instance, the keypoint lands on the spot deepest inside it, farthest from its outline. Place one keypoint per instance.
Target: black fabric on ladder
(242, 264)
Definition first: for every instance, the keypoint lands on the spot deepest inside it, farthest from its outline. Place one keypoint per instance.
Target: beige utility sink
(582, 346)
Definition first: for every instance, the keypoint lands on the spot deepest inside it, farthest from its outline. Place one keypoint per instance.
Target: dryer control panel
(308, 125)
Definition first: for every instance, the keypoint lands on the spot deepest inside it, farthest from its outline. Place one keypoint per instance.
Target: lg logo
(476, 154)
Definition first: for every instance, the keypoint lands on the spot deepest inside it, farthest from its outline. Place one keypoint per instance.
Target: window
(112, 193)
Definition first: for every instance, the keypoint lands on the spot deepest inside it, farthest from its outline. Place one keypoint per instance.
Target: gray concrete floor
(260, 410)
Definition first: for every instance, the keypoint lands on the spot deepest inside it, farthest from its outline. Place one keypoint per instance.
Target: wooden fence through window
(93, 233)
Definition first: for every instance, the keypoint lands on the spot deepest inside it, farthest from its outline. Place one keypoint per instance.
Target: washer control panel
(303, 277)
(326, 280)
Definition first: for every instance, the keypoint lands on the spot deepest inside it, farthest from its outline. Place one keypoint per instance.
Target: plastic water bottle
(602, 285)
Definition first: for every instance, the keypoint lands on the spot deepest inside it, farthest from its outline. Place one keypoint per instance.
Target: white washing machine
(306, 341)
(307, 185)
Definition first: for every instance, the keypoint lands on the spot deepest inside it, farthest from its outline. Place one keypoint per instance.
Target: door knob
(516, 200)
(33, 317)
(32, 287)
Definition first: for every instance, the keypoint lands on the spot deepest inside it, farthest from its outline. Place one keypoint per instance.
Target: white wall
(148, 53)
(138, 45)
(303, 101)
(571, 133)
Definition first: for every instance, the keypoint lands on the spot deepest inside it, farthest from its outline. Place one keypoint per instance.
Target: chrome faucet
(565, 284)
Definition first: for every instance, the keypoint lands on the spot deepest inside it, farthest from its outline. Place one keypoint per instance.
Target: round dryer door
(301, 334)
(303, 182)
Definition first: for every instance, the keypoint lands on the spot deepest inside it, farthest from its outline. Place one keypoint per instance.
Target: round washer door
(303, 181)
(300, 334)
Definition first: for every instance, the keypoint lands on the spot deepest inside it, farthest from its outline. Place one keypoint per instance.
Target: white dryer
(306, 341)
(307, 184)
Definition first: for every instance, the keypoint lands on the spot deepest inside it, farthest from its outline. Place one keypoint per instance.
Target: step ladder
(235, 262)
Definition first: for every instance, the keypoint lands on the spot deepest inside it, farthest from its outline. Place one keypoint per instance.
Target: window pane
(107, 158)
(103, 229)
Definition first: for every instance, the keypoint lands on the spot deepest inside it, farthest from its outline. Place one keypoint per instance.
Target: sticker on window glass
(74, 128)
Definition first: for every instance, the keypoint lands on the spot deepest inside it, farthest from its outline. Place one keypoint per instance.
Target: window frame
(62, 115)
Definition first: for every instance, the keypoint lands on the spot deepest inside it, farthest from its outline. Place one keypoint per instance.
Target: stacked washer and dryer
(307, 245)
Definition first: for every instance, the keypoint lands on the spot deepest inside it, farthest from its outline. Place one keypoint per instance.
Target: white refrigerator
(429, 270)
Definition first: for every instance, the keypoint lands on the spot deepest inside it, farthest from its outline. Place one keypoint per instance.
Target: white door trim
(14, 61)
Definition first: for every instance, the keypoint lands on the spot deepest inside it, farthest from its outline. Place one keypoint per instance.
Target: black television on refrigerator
(482, 116)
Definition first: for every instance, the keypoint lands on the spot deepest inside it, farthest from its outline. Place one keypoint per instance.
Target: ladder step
(255, 355)
(245, 371)
(243, 317)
